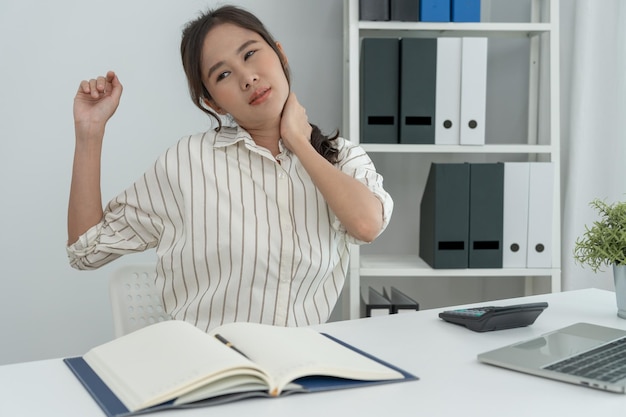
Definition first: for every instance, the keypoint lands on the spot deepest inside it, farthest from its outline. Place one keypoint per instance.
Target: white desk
(452, 382)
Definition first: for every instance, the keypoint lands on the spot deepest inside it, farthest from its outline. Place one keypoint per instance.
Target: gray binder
(379, 90)
(418, 79)
(486, 215)
(405, 10)
(374, 9)
(444, 216)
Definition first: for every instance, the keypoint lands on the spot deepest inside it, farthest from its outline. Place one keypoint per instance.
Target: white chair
(135, 302)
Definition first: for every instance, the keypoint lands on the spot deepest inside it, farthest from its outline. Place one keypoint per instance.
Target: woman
(251, 222)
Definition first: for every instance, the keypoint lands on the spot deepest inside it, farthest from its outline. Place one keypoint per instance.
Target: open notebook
(174, 364)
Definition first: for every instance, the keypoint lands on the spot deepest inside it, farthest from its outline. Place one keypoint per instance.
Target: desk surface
(452, 382)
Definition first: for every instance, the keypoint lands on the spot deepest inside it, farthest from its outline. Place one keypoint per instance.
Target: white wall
(46, 49)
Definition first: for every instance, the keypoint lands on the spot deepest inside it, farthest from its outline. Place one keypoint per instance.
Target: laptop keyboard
(606, 363)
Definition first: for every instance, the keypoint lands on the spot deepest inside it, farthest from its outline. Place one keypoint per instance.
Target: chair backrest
(135, 302)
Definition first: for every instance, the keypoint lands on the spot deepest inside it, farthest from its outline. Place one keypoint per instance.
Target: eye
(248, 54)
(222, 75)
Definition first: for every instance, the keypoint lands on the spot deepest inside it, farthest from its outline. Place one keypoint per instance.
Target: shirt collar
(230, 135)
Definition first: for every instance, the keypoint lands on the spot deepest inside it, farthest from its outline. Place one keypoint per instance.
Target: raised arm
(358, 209)
(95, 102)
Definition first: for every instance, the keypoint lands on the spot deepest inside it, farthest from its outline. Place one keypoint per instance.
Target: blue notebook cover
(113, 407)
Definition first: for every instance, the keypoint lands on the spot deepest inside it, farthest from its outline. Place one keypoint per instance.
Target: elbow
(367, 230)
(368, 224)
(80, 266)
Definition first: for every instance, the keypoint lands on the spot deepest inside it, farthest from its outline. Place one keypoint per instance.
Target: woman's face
(244, 76)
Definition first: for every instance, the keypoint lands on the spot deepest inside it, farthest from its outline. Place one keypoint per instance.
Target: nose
(248, 80)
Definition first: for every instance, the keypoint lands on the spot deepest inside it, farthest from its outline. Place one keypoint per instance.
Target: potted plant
(604, 244)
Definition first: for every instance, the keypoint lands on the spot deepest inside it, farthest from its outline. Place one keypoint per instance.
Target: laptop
(585, 354)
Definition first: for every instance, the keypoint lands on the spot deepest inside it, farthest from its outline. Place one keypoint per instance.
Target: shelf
(414, 266)
(540, 34)
(426, 29)
(483, 149)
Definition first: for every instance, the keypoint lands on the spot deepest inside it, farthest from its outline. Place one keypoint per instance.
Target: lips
(259, 95)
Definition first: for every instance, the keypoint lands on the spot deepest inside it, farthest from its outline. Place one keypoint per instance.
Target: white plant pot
(619, 275)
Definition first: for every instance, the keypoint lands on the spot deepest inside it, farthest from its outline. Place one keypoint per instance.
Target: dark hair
(191, 45)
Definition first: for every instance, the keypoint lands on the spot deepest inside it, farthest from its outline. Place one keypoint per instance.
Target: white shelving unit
(542, 142)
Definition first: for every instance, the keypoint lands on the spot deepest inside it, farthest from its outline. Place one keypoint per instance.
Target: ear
(283, 57)
(213, 105)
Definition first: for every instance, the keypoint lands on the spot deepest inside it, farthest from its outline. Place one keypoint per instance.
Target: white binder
(515, 214)
(448, 91)
(540, 206)
(473, 91)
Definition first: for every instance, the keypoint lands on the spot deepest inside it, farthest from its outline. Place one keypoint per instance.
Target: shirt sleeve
(354, 161)
(129, 224)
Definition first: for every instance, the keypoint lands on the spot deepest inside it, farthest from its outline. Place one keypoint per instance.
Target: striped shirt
(239, 235)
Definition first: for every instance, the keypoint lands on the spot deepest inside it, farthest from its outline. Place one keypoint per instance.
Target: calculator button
(473, 312)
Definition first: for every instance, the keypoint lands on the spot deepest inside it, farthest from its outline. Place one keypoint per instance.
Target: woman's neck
(266, 138)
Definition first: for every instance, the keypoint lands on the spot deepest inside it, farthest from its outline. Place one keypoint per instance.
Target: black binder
(376, 304)
(373, 9)
(486, 215)
(400, 302)
(379, 90)
(405, 10)
(444, 216)
(418, 77)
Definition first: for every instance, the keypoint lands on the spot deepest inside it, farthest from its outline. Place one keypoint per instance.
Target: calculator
(485, 319)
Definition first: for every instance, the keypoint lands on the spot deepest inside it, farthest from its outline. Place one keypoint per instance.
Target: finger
(292, 98)
(101, 84)
(297, 104)
(93, 88)
(110, 76)
(290, 103)
(116, 86)
(114, 80)
(84, 87)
